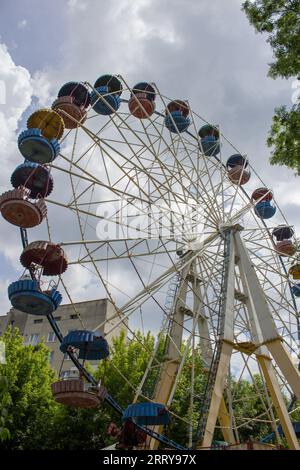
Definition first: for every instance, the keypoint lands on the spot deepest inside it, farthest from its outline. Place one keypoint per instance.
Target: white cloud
(43, 89)
(4, 302)
(18, 95)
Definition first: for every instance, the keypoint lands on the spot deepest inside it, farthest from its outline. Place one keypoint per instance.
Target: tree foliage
(87, 429)
(27, 394)
(284, 137)
(33, 420)
(5, 400)
(280, 20)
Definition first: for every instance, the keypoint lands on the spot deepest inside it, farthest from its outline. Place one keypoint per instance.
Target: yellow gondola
(49, 122)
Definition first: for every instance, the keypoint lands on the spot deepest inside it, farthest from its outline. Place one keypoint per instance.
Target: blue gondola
(78, 91)
(176, 119)
(35, 177)
(36, 148)
(111, 82)
(91, 345)
(106, 105)
(209, 131)
(180, 124)
(210, 145)
(272, 436)
(264, 210)
(26, 296)
(210, 140)
(148, 414)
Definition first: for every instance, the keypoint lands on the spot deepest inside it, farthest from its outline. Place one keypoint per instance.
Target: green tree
(249, 403)
(181, 405)
(33, 420)
(121, 375)
(5, 400)
(284, 137)
(87, 428)
(128, 361)
(280, 20)
(30, 408)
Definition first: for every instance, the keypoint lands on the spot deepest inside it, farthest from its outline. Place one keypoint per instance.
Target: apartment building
(99, 315)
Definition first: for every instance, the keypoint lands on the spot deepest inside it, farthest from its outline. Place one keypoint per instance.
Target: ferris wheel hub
(229, 226)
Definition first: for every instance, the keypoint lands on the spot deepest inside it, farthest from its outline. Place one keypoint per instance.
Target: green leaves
(31, 419)
(280, 20)
(284, 137)
(27, 396)
(5, 400)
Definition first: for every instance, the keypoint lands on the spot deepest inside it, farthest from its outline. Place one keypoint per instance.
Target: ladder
(204, 409)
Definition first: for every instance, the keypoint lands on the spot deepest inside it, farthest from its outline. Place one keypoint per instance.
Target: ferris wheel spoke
(89, 177)
(209, 173)
(158, 184)
(117, 257)
(130, 146)
(163, 278)
(182, 170)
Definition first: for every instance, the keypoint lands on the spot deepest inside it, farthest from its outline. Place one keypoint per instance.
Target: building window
(33, 339)
(57, 318)
(51, 337)
(39, 320)
(66, 357)
(74, 316)
(69, 373)
(51, 357)
(65, 374)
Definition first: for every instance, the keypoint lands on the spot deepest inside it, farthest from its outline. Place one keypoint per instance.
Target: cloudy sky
(199, 50)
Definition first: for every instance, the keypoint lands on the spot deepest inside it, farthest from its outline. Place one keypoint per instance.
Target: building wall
(14, 317)
(90, 315)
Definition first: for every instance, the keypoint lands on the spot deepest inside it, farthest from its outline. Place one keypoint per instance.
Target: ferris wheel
(140, 196)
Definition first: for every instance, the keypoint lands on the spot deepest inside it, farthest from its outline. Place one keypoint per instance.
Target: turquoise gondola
(209, 131)
(36, 148)
(91, 345)
(147, 414)
(176, 123)
(104, 103)
(176, 119)
(111, 82)
(264, 210)
(25, 295)
(210, 140)
(210, 146)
